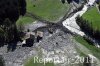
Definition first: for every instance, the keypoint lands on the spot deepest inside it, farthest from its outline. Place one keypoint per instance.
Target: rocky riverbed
(57, 44)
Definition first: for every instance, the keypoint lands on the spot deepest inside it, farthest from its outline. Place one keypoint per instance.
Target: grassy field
(95, 51)
(93, 16)
(50, 10)
(24, 20)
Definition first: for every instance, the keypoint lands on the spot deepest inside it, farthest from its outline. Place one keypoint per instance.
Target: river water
(70, 23)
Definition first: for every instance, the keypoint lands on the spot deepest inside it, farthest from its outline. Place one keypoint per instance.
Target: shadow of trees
(87, 27)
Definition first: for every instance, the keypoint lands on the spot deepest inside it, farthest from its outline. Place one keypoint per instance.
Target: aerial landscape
(49, 32)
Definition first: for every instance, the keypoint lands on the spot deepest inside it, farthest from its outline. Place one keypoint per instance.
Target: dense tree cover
(10, 10)
(69, 1)
(63, 1)
(98, 2)
(88, 29)
(77, 1)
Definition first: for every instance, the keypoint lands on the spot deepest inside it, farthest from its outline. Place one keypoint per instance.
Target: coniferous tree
(10, 10)
(63, 1)
(88, 29)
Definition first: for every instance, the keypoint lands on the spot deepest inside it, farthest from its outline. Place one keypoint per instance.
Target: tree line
(70, 1)
(10, 10)
(87, 27)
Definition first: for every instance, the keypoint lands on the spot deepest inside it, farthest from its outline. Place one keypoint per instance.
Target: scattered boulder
(29, 41)
(39, 36)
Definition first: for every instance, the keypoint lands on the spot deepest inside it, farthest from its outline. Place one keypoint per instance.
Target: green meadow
(24, 20)
(94, 50)
(93, 17)
(50, 10)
